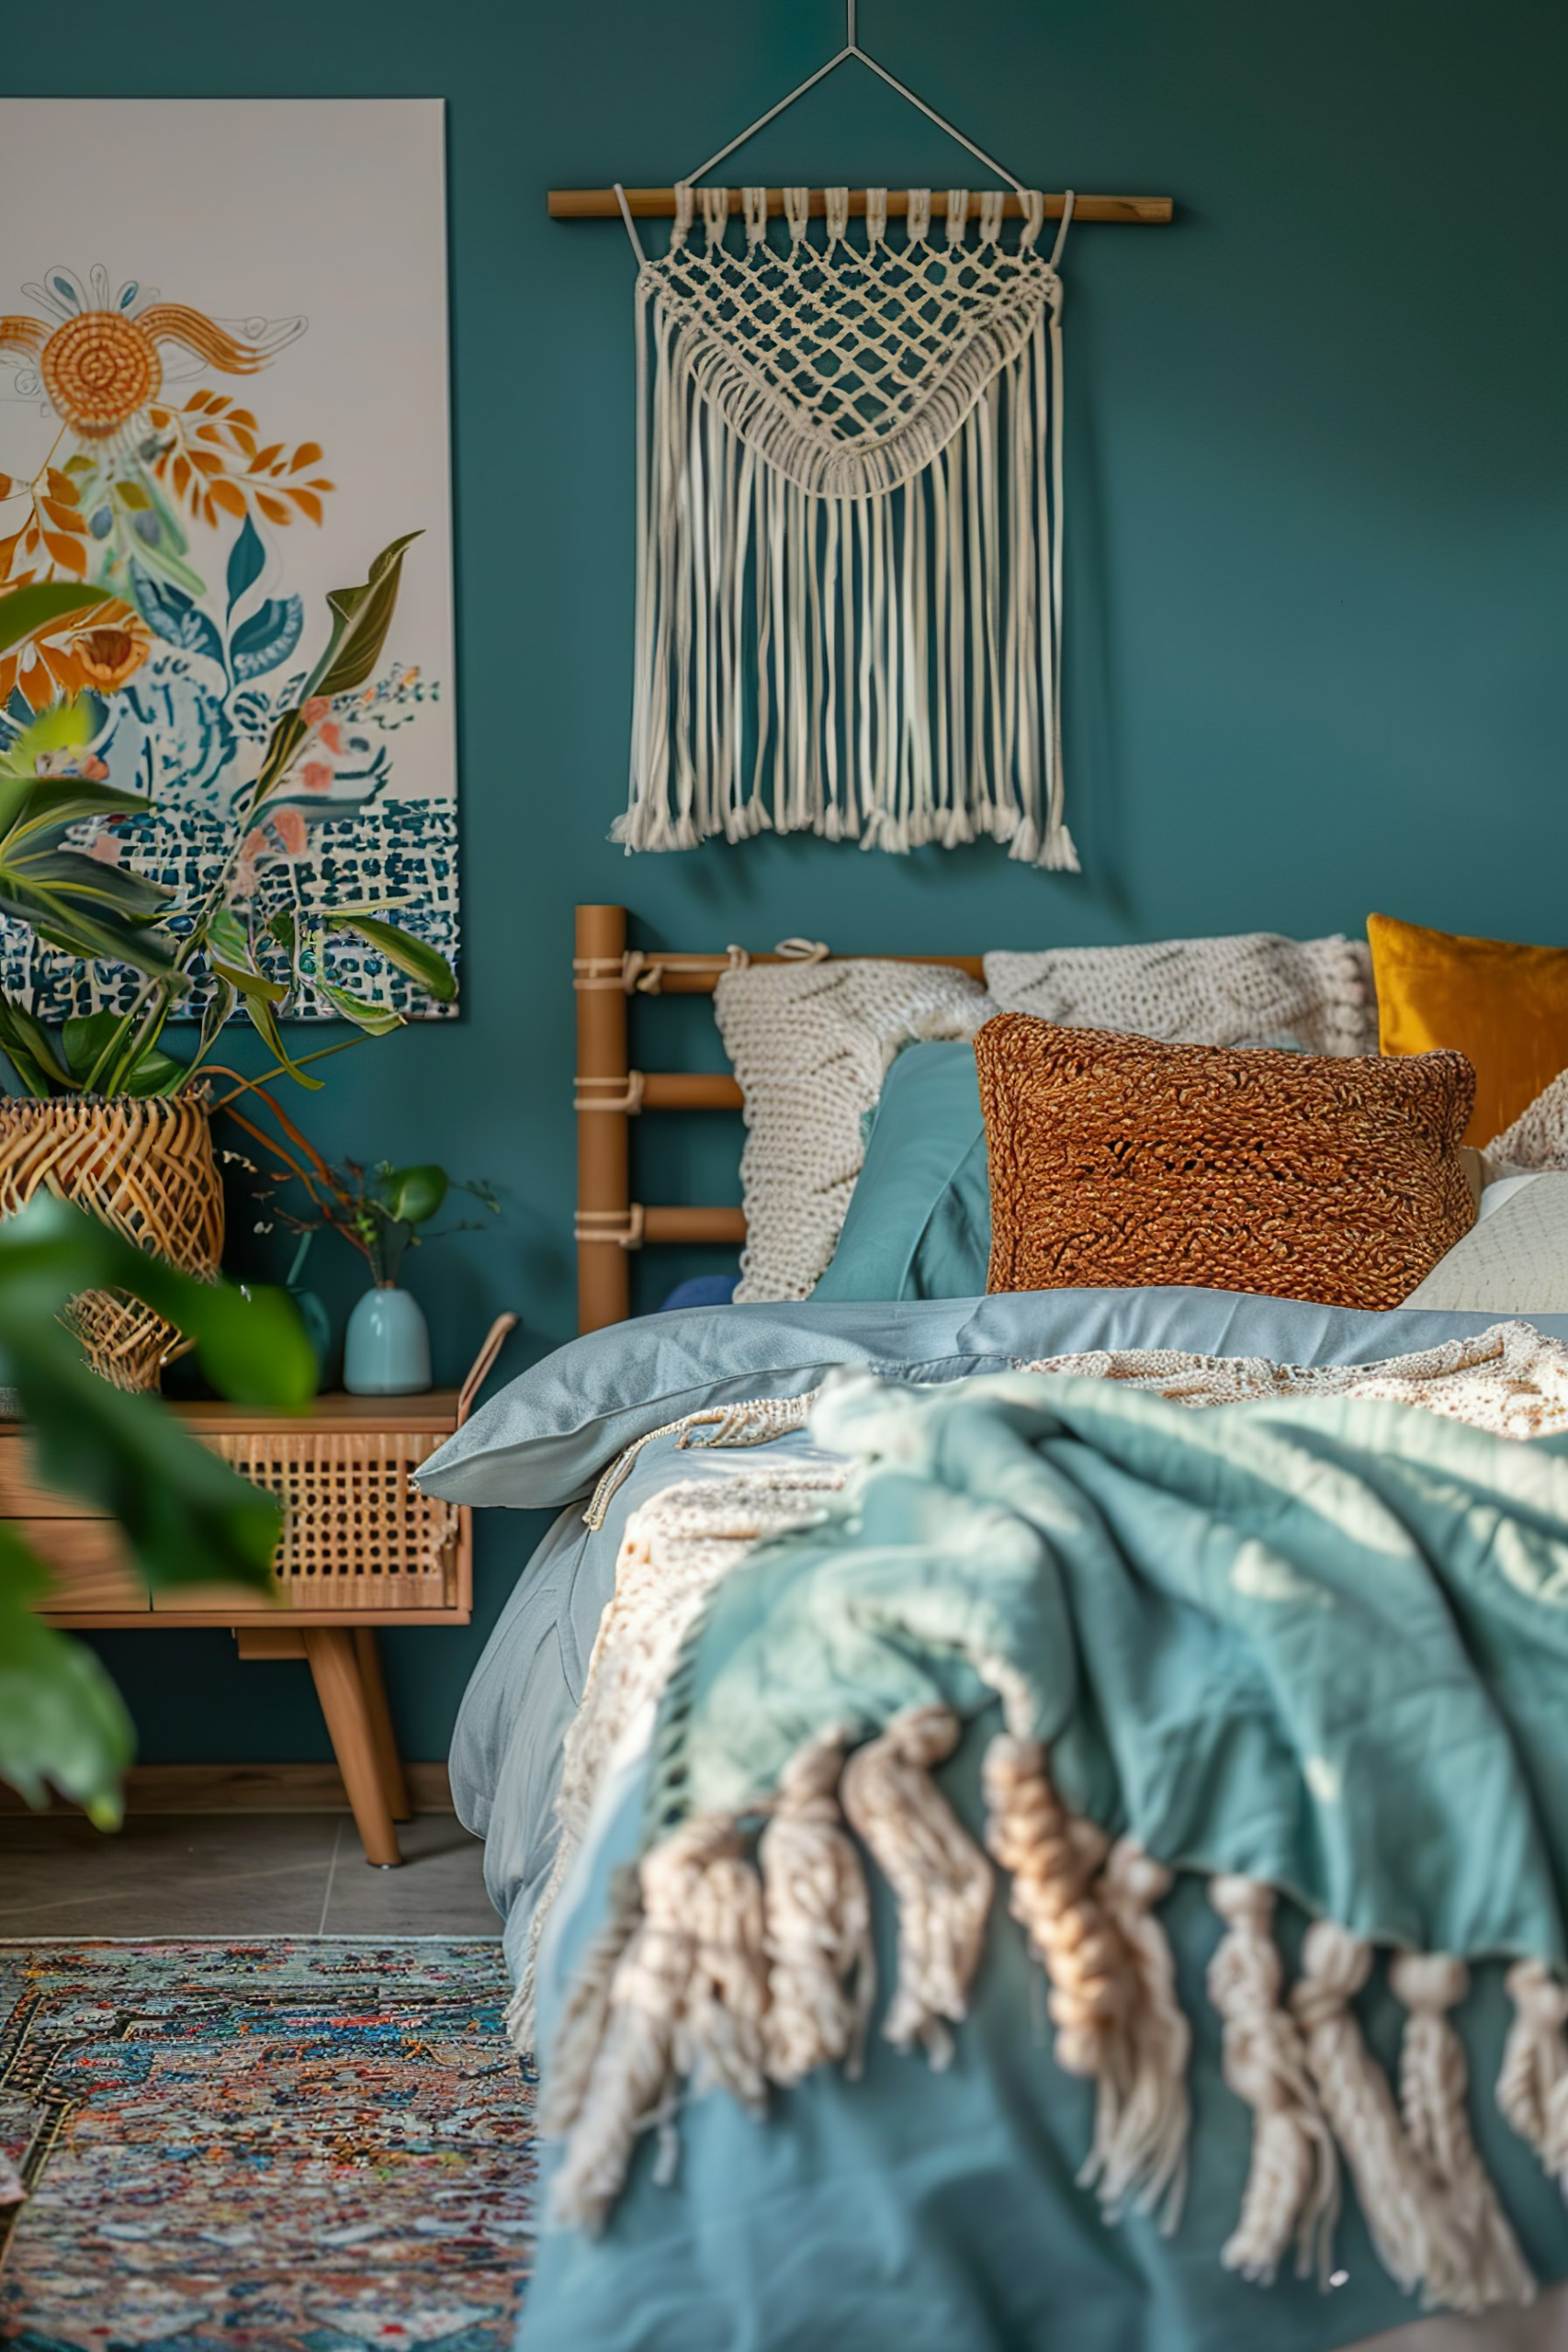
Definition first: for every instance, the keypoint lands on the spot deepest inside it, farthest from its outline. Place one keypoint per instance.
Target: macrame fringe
(1474, 2259)
(1292, 2181)
(851, 633)
(941, 1879)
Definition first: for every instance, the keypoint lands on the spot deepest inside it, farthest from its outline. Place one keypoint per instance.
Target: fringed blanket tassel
(941, 1879)
(1473, 2260)
(1292, 2181)
(817, 1923)
(1532, 2087)
(1112, 1986)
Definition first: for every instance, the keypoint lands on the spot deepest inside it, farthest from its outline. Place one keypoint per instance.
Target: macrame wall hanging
(849, 530)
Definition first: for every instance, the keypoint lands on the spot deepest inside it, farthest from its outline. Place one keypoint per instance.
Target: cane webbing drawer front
(357, 1532)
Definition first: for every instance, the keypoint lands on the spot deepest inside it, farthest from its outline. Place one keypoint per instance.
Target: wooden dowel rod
(698, 976)
(688, 1090)
(658, 204)
(693, 1224)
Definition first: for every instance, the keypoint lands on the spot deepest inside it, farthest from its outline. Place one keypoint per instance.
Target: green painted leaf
(361, 618)
(422, 963)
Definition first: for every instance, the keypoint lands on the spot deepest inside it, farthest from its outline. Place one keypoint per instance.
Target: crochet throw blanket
(1311, 1643)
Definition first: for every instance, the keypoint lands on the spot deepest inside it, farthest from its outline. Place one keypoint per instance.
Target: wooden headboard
(611, 1094)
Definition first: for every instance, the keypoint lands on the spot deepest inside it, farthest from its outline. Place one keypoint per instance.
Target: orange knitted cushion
(1116, 1161)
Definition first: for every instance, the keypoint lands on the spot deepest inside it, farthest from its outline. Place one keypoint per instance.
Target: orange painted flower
(316, 776)
(95, 650)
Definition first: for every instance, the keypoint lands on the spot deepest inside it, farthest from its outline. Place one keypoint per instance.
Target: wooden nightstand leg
(386, 1757)
(334, 1667)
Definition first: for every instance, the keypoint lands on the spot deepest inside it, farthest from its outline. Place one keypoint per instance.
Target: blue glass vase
(387, 1349)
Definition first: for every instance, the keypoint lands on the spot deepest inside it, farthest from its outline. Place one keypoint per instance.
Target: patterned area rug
(286, 2144)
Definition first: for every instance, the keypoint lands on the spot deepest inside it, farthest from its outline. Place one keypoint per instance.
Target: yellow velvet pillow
(1504, 1008)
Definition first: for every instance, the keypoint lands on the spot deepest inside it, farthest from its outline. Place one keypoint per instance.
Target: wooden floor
(236, 1873)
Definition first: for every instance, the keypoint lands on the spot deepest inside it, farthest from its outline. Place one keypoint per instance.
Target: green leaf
(248, 983)
(260, 1014)
(44, 604)
(86, 1037)
(376, 1020)
(79, 932)
(412, 1195)
(281, 926)
(219, 1006)
(227, 933)
(48, 801)
(252, 1346)
(63, 1723)
(25, 1041)
(422, 963)
(131, 496)
(131, 896)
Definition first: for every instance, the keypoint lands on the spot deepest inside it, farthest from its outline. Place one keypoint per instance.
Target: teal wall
(1317, 595)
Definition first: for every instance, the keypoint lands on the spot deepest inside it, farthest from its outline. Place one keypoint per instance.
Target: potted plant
(108, 1115)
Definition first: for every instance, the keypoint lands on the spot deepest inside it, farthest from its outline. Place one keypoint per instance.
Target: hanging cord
(631, 224)
(851, 48)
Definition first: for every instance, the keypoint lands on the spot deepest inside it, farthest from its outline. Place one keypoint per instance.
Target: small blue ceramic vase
(387, 1350)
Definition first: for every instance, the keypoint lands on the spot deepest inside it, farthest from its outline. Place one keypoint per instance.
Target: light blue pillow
(919, 1218)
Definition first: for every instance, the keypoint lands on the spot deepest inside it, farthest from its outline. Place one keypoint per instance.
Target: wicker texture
(357, 1533)
(1115, 1160)
(147, 1170)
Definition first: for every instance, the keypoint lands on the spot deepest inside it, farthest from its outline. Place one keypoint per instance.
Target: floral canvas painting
(223, 394)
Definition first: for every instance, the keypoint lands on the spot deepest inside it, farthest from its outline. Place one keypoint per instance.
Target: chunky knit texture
(1117, 1161)
(811, 1044)
(1254, 989)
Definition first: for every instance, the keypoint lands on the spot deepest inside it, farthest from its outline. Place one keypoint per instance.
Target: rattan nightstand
(361, 1548)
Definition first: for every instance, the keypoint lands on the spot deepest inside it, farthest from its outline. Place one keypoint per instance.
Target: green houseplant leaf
(63, 1723)
(412, 1195)
(185, 1516)
(421, 962)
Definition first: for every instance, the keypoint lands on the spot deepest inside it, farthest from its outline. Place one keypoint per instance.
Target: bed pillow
(1514, 1260)
(1504, 1006)
(811, 1044)
(1539, 1137)
(1119, 1160)
(919, 1218)
(1313, 993)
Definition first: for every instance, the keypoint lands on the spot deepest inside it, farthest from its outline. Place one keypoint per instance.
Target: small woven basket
(147, 1170)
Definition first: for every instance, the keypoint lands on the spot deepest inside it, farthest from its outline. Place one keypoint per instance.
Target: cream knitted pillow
(1539, 1137)
(811, 1044)
(1514, 1260)
(1255, 989)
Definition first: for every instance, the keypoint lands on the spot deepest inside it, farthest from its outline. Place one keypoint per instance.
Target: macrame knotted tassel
(1532, 2087)
(587, 2010)
(1029, 1833)
(1358, 2102)
(1292, 2181)
(1140, 2144)
(941, 1879)
(633, 2070)
(1473, 2260)
(817, 1921)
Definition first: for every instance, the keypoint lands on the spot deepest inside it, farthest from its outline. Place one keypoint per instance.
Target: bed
(921, 2205)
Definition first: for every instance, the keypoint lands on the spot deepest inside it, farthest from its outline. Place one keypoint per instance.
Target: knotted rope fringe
(849, 572)
(816, 1919)
(685, 1995)
(1293, 2182)
(1112, 1984)
(726, 1975)
(1473, 2260)
(939, 1876)
(1358, 2101)
(1532, 2087)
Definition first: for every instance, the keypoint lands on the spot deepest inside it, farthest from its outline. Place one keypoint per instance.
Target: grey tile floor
(241, 1873)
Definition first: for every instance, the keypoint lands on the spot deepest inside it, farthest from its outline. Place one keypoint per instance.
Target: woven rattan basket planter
(147, 1170)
